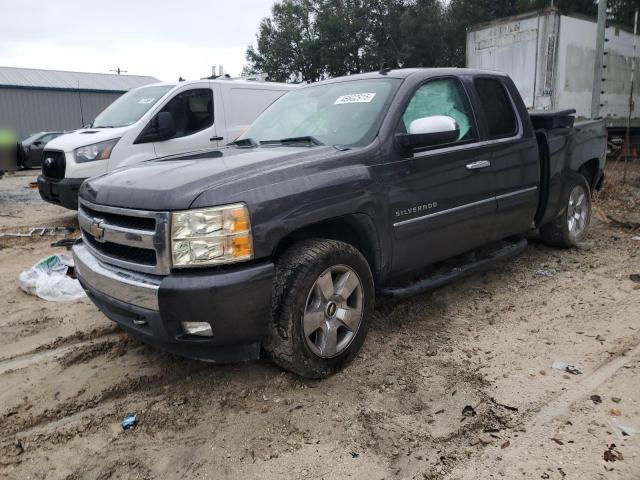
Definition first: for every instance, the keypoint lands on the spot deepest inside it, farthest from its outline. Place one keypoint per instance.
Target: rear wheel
(572, 225)
(322, 300)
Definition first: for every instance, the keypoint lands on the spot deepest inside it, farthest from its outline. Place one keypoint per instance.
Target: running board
(508, 249)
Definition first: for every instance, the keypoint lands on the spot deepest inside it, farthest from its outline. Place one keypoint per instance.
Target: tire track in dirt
(60, 344)
(150, 384)
(538, 423)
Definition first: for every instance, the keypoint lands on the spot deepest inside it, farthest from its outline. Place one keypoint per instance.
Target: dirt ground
(68, 377)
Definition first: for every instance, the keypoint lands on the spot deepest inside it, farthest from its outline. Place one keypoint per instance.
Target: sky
(158, 38)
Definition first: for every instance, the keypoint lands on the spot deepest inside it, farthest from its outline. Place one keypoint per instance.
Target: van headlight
(211, 236)
(97, 151)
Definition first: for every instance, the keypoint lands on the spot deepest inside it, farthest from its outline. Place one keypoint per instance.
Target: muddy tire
(323, 298)
(570, 227)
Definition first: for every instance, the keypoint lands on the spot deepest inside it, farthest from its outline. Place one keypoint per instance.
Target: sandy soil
(68, 376)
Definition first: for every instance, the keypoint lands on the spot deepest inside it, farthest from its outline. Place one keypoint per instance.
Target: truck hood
(174, 183)
(86, 136)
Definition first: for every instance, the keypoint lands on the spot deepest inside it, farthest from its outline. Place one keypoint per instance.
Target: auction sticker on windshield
(355, 98)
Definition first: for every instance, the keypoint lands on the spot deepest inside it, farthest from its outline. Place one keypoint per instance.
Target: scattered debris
(355, 454)
(637, 237)
(505, 444)
(616, 399)
(557, 440)
(615, 412)
(19, 447)
(485, 439)
(600, 214)
(622, 431)
(635, 277)
(468, 411)
(53, 279)
(508, 407)
(566, 367)
(544, 273)
(611, 454)
(41, 231)
(596, 399)
(130, 421)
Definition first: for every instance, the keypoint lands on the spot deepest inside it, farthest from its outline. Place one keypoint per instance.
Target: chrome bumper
(129, 287)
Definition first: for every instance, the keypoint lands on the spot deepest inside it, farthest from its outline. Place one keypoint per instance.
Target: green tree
(307, 40)
(288, 46)
(423, 38)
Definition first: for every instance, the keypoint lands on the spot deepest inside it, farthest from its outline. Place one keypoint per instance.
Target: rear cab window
(500, 117)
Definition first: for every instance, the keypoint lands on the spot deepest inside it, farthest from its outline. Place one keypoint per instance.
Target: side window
(192, 111)
(498, 110)
(442, 97)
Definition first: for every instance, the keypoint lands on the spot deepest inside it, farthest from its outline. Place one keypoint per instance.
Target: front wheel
(572, 225)
(321, 304)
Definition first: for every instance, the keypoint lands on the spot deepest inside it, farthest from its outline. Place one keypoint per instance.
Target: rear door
(193, 114)
(515, 165)
(442, 200)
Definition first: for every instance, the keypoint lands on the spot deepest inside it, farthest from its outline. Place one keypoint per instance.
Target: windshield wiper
(244, 142)
(293, 140)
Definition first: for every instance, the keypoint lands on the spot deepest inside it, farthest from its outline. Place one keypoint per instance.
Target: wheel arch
(356, 229)
(590, 170)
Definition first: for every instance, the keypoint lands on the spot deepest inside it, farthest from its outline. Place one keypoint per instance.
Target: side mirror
(429, 131)
(165, 126)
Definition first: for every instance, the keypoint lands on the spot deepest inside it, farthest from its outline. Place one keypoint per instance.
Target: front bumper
(236, 302)
(60, 192)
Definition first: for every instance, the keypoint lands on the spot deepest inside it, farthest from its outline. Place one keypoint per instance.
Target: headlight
(97, 151)
(211, 236)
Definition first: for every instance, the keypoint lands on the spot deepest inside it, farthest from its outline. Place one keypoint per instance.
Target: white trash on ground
(48, 280)
(566, 367)
(622, 431)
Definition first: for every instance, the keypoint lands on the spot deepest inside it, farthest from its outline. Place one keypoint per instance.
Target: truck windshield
(344, 113)
(130, 107)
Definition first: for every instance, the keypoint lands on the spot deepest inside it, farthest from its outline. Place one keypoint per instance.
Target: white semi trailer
(551, 59)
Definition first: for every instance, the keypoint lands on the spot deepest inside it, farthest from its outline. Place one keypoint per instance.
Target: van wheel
(322, 300)
(571, 226)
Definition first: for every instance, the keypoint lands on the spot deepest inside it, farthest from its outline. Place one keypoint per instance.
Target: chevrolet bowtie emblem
(96, 230)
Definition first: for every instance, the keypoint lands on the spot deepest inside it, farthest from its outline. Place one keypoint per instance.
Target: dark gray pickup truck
(388, 183)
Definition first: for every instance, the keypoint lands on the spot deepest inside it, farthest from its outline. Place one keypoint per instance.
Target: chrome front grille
(137, 240)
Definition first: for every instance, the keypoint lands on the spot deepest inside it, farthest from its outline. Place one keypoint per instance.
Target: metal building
(50, 100)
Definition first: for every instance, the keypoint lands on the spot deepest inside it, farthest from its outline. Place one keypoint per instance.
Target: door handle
(479, 164)
(216, 139)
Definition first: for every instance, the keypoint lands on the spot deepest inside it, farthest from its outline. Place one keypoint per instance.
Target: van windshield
(130, 107)
(342, 113)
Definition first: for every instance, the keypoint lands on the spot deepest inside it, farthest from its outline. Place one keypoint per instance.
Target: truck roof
(403, 73)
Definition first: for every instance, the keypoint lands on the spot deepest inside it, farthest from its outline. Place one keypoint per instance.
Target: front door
(192, 112)
(442, 200)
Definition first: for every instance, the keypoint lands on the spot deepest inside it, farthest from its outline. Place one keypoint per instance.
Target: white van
(151, 122)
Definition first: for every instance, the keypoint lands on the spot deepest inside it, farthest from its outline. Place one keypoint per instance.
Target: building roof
(62, 80)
